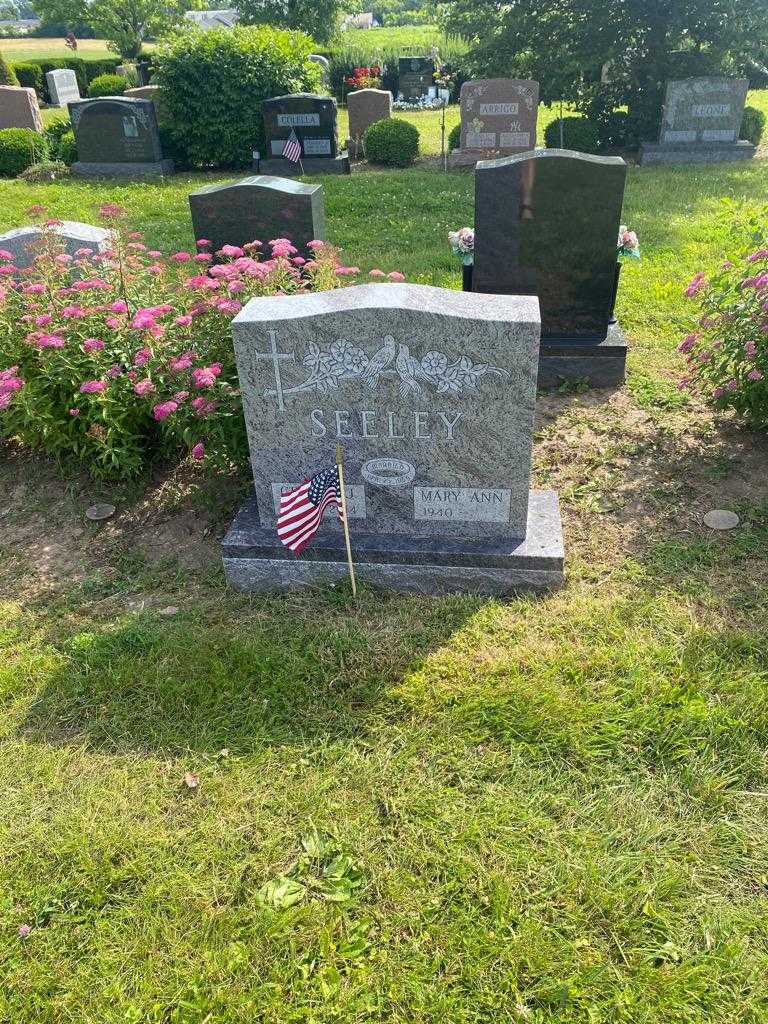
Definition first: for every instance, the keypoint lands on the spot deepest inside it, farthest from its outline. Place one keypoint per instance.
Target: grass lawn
(51, 49)
(556, 807)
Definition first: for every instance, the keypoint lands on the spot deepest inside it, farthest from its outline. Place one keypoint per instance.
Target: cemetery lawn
(554, 809)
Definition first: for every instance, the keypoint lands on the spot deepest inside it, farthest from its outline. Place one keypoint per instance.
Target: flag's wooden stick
(339, 463)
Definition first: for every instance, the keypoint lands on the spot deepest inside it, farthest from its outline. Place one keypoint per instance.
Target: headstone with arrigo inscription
(498, 118)
(432, 395)
(117, 136)
(701, 122)
(313, 120)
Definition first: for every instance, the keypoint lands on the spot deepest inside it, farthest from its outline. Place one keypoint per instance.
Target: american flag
(303, 507)
(292, 147)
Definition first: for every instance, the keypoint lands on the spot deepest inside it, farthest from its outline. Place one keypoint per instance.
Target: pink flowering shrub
(114, 357)
(727, 350)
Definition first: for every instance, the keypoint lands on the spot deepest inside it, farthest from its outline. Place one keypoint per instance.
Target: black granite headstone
(261, 207)
(546, 224)
(314, 120)
(115, 135)
(415, 77)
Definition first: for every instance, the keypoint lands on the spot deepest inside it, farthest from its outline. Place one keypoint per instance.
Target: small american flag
(292, 147)
(303, 507)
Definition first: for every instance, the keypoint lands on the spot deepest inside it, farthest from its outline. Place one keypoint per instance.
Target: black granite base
(309, 165)
(254, 560)
(159, 169)
(599, 364)
(695, 153)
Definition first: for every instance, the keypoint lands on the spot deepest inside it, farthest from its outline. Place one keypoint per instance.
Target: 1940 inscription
(462, 504)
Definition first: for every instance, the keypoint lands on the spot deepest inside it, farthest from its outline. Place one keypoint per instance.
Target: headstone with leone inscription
(431, 394)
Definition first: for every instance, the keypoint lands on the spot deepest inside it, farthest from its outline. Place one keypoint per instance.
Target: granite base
(695, 153)
(601, 364)
(159, 169)
(308, 166)
(254, 560)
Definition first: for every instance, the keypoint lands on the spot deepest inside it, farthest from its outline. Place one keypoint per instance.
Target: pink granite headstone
(19, 108)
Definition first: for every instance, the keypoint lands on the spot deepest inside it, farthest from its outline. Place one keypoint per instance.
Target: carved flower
(351, 358)
(434, 363)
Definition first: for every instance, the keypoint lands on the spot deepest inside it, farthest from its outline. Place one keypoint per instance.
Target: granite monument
(117, 136)
(416, 76)
(19, 108)
(23, 242)
(432, 395)
(365, 107)
(700, 123)
(547, 224)
(260, 207)
(313, 119)
(498, 118)
(62, 87)
(149, 92)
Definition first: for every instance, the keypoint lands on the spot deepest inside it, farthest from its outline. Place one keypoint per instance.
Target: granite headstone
(62, 87)
(498, 118)
(365, 107)
(547, 224)
(432, 395)
(701, 122)
(149, 92)
(23, 242)
(416, 76)
(260, 207)
(19, 108)
(117, 136)
(313, 119)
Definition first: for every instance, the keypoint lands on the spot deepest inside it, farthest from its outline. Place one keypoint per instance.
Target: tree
(601, 55)
(318, 18)
(125, 24)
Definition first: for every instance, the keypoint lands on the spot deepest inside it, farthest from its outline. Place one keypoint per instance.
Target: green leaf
(281, 893)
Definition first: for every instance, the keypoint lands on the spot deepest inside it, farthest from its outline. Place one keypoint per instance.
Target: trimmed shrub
(108, 85)
(579, 134)
(214, 84)
(19, 149)
(454, 137)
(30, 76)
(66, 151)
(393, 142)
(616, 131)
(7, 76)
(752, 125)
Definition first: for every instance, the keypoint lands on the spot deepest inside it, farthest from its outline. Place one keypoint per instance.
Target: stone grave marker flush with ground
(547, 224)
(117, 136)
(700, 123)
(314, 121)
(62, 87)
(19, 108)
(365, 107)
(260, 207)
(498, 118)
(432, 395)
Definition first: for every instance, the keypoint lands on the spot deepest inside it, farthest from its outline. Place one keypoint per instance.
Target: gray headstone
(21, 241)
(118, 136)
(62, 87)
(416, 76)
(313, 118)
(499, 115)
(261, 207)
(432, 394)
(366, 107)
(721, 519)
(19, 108)
(701, 122)
(546, 224)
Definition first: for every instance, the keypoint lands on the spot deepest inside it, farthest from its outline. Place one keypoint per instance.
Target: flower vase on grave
(466, 277)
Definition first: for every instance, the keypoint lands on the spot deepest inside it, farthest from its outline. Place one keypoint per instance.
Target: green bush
(66, 152)
(61, 140)
(454, 137)
(393, 142)
(108, 85)
(30, 76)
(19, 149)
(45, 172)
(752, 125)
(7, 76)
(616, 131)
(214, 84)
(579, 134)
